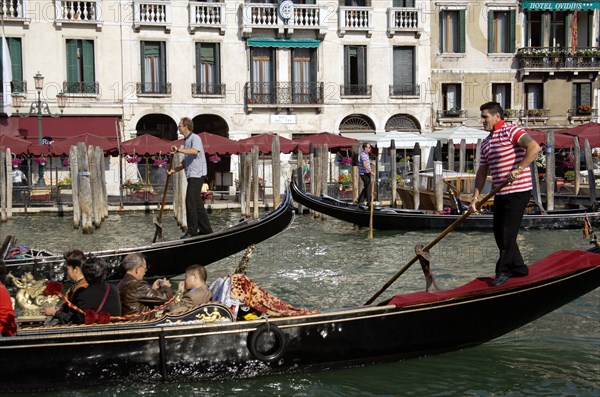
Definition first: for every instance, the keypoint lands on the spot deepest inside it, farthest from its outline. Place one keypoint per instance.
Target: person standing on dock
(506, 153)
(365, 172)
(196, 169)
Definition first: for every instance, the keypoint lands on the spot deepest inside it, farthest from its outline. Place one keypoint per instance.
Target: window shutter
(461, 32)
(198, 63)
(404, 67)
(586, 94)
(16, 58)
(362, 65)
(143, 60)
(162, 61)
(217, 58)
(313, 65)
(590, 26)
(574, 96)
(491, 32)
(442, 31)
(72, 69)
(347, 66)
(512, 27)
(88, 62)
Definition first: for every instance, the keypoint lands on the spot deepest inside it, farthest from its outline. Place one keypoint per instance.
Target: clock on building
(286, 9)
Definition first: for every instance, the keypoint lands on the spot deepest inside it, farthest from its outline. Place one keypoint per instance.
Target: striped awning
(283, 43)
(546, 5)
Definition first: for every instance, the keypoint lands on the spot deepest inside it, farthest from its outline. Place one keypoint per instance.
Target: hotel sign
(560, 5)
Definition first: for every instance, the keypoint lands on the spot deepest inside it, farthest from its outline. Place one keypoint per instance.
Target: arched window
(357, 123)
(402, 122)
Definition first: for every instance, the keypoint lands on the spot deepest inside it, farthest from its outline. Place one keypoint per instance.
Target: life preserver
(275, 350)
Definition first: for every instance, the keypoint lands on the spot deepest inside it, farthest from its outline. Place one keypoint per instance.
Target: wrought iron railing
(153, 88)
(558, 57)
(452, 113)
(284, 93)
(81, 87)
(208, 89)
(404, 90)
(356, 90)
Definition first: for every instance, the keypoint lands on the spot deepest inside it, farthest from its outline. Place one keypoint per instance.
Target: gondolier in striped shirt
(365, 172)
(506, 154)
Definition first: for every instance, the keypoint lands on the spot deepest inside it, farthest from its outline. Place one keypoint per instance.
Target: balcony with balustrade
(451, 117)
(355, 19)
(152, 13)
(261, 16)
(13, 11)
(78, 13)
(282, 95)
(402, 19)
(207, 16)
(552, 60)
(583, 114)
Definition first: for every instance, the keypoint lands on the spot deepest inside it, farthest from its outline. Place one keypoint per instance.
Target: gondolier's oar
(371, 211)
(158, 221)
(443, 234)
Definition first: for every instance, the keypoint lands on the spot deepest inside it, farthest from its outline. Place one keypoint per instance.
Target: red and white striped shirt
(502, 154)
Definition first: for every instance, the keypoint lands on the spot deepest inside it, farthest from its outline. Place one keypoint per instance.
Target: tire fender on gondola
(274, 352)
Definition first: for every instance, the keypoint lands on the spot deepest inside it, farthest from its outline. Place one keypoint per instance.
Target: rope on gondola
(54, 288)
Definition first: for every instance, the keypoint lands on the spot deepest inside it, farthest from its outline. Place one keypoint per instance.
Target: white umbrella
(470, 135)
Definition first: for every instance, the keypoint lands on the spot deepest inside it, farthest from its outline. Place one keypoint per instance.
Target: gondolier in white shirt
(506, 153)
(365, 172)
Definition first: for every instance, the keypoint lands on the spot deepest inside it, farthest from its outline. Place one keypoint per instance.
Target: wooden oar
(443, 234)
(371, 214)
(158, 221)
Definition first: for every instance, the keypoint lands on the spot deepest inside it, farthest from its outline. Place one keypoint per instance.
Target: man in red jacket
(8, 324)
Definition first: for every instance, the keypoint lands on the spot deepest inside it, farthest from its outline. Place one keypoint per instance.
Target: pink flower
(40, 160)
(134, 159)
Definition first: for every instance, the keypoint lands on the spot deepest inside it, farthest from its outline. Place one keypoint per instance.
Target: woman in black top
(99, 295)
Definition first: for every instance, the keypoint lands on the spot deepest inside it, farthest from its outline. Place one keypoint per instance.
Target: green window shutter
(442, 31)
(512, 27)
(491, 32)
(217, 57)
(198, 67)
(586, 94)
(87, 50)
(72, 64)
(16, 58)
(574, 96)
(347, 63)
(590, 24)
(142, 60)
(163, 65)
(461, 32)
(362, 65)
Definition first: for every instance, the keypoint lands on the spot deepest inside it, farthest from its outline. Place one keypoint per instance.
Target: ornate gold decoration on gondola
(245, 260)
(210, 317)
(30, 296)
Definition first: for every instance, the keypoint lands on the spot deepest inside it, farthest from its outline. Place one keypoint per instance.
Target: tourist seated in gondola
(197, 294)
(64, 314)
(100, 296)
(137, 295)
(8, 324)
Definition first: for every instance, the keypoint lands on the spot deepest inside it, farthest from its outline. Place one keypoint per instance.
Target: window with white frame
(451, 98)
(534, 96)
(154, 67)
(501, 93)
(501, 31)
(452, 31)
(208, 65)
(80, 67)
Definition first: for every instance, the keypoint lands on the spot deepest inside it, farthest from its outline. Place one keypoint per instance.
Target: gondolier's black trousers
(508, 213)
(197, 218)
(366, 192)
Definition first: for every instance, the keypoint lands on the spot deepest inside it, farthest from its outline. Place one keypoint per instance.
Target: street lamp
(39, 108)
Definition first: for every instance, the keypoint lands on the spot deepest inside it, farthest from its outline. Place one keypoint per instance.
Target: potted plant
(509, 113)
(584, 109)
(454, 112)
(570, 175)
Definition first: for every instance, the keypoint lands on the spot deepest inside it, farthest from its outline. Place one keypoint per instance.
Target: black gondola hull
(401, 219)
(83, 355)
(171, 258)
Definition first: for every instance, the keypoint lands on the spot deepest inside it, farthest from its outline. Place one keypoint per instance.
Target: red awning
(17, 146)
(265, 143)
(59, 128)
(589, 131)
(64, 146)
(333, 141)
(146, 144)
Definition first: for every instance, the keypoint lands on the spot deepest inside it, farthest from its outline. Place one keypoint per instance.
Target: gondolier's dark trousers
(366, 192)
(508, 213)
(197, 218)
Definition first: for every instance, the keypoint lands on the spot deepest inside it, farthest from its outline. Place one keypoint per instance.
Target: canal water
(327, 264)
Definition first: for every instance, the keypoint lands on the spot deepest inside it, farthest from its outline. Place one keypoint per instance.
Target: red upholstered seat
(554, 265)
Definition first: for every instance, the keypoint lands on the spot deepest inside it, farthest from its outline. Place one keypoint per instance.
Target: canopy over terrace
(457, 134)
(146, 144)
(402, 139)
(16, 145)
(333, 141)
(561, 141)
(265, 143)
(589, 131)
(64, 147)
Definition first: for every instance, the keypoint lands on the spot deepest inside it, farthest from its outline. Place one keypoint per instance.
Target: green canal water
(327, 264)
